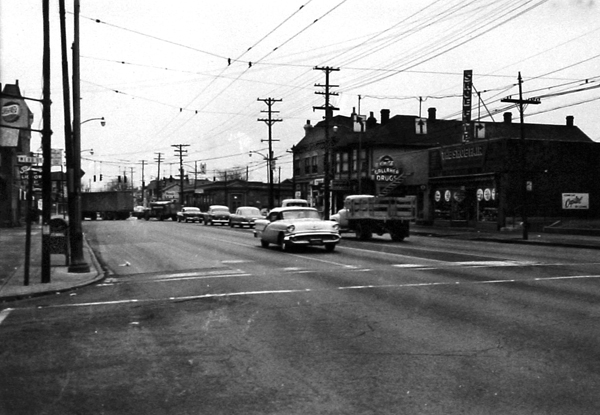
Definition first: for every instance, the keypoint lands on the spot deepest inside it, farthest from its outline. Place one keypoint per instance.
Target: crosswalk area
(227, 272)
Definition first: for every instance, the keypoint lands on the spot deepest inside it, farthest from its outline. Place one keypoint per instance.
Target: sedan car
(296, 226)
(189, 214)
(245, 216)
(217, 214)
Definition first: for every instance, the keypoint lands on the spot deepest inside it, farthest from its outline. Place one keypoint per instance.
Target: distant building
(479, 183)
(232, 193)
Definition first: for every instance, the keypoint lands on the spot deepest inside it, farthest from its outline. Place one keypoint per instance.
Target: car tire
(363, 232)
(264, 243)
(284, 246)
(330, 247)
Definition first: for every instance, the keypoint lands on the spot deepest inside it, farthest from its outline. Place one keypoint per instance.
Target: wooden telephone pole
(523, 158)
(181, 152)
(270, 160)
(328, 108)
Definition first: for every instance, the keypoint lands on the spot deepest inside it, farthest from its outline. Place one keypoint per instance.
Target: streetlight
(78, 263)
(102, 121)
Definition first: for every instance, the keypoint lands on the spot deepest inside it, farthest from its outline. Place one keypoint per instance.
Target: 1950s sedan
(296, 226)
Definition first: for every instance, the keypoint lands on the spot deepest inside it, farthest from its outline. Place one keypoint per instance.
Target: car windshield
(250, 211)
(301, 214)
(191, 209)
(220, 211)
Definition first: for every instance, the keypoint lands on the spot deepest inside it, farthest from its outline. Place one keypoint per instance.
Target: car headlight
(290, 229)
(336, 227)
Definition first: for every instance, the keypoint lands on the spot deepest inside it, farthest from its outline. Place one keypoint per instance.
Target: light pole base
(79, 267)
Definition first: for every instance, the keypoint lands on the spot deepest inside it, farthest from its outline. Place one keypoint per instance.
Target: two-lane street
(202, 319)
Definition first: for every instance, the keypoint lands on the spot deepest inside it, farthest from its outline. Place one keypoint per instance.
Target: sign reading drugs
(386, 170)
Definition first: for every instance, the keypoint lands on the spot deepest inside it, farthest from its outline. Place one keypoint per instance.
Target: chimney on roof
(371, 121)
(570, 120)
(307, 127)
(508, 117)
(385, 116)
(431, 112)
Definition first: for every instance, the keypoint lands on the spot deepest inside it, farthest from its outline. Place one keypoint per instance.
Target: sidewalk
(558, 238)
(12, 254)
(12, 267)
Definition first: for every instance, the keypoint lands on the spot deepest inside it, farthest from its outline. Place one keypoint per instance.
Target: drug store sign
(386, 170)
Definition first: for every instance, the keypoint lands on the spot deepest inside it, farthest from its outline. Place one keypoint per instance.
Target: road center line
(308, 290)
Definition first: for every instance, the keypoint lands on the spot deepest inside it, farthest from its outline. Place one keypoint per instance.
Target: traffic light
(100, 177)
(124, 179)
(119, 179)
(94, 178)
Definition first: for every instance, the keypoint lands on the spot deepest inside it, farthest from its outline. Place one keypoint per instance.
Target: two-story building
(480, 183)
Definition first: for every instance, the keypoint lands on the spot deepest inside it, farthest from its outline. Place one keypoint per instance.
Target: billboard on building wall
(573, 201)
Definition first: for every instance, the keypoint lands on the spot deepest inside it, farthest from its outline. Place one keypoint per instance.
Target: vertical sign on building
(466, 113)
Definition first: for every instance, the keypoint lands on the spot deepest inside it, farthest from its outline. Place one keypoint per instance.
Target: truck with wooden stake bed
(366, 214)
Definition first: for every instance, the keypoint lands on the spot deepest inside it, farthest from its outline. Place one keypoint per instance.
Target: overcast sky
(192, 71)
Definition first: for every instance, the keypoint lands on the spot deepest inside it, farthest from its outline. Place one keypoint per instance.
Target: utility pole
(143, 184)
(328, 108)
(46, 148)
(270, 121)
(78, 263)
(158, 159)
(179, 150)
(523, 161)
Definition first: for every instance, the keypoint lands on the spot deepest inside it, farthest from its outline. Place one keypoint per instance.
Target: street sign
(29, 160)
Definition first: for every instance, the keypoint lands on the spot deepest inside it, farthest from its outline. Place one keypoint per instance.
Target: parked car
(139, 212)
(294, 202)
(217, 214)
(189, 214)
(245, 216)
(296, 226)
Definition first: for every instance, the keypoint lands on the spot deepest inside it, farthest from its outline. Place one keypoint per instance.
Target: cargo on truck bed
(367, 214)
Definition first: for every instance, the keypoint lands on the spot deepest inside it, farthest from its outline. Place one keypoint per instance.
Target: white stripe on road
(4, 313)
(308, 290)
(472, 264)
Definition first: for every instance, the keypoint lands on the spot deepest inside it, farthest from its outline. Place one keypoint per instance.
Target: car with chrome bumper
(245, 216)
(189, 214)
(291, 227)
(217, 215)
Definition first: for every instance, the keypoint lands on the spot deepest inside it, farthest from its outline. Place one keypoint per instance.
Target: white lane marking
(312, 258)
(199, 277)
(181, 276)
(472, 264)
(236, 261)
(4, 313)
(308, 290)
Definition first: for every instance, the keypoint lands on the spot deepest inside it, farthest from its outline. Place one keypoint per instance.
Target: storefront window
(466, 203)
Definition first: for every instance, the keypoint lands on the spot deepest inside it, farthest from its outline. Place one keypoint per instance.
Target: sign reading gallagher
(386, 170)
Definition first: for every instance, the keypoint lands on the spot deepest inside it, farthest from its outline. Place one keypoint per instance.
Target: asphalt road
(196, 319)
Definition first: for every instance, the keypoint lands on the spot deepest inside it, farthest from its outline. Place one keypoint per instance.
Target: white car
(296, 226)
